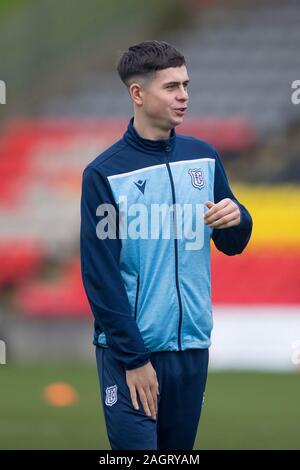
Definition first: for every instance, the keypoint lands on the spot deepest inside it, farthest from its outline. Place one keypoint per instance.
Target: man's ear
(135, 91)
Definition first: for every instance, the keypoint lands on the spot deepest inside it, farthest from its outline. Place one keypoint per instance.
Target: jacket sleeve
(102, 279)
(232, 240)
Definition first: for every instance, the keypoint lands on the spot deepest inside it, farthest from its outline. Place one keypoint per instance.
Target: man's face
(165, 97)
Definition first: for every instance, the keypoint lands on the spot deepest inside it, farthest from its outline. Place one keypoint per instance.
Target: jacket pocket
(137, 297)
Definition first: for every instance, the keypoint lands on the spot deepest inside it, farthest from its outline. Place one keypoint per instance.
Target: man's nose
(182, 94)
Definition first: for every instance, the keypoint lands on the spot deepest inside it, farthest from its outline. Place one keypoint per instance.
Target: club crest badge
(111, 395)
(197, 176)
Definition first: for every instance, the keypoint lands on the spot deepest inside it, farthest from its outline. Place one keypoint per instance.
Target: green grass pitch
(242, 410)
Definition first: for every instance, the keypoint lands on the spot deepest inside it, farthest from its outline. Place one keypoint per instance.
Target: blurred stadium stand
(242, 59)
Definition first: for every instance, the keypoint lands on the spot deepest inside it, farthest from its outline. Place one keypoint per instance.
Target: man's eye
(173, 86)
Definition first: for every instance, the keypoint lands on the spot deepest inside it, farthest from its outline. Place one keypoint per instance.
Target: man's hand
(224, 214)
(144, 381)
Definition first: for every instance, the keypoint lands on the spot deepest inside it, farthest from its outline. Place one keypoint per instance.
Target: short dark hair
(145, 58)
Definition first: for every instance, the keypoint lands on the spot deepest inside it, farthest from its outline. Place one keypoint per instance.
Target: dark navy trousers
(182, 378)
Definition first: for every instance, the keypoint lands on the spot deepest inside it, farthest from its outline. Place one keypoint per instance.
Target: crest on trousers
(111, 395)
(197, 176)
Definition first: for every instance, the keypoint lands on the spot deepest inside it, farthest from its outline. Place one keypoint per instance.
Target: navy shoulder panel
(122, 158)
(99, 161)
(192, 147)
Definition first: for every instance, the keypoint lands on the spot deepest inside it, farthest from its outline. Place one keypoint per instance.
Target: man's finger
(133, 398)
(218, 215)
(228, 225)
(144, 401)
(219, 205)
(156, 391)
(231, 218)
(154, 398)
(209, 204)
(151, 403)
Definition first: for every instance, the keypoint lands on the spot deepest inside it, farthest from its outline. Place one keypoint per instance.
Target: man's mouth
(180, 110)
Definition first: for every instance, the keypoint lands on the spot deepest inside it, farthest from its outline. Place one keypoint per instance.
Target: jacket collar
(146, 145)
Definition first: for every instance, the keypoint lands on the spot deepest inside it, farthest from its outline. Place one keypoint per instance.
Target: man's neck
(147, 131)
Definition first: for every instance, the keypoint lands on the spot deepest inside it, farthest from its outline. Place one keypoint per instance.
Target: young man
(149, 290)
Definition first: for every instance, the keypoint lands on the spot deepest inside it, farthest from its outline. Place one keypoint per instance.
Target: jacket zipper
(137, 297)
(176, 253)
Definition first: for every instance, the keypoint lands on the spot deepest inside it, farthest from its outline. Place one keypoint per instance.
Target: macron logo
(141, 185)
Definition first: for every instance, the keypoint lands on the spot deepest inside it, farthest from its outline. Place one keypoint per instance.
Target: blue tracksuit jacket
(153, 294)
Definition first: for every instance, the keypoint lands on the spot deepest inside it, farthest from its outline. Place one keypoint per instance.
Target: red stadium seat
(63, 297)
(19, 261)
(257, 277)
